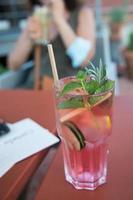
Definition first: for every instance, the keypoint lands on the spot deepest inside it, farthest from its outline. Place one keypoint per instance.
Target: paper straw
(53, 65)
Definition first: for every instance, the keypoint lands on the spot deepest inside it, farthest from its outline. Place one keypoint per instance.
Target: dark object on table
(4, 129)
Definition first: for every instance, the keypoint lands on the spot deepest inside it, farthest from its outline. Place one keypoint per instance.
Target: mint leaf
(94, 100)
(71, 103)
(70, 87)
(108, 85)
(91, 86)
(81, 75)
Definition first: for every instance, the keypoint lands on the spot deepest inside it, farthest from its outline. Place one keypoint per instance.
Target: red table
(120, 171)
(16, 105)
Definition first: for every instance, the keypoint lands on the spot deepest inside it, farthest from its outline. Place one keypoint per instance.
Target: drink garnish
(108, 121)
(73, 85)
(107, 96)
(72, 114)
(78, 111)
(74, 102)
(77, 134)
(92, 81)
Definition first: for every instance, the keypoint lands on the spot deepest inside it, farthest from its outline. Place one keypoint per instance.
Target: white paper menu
(25, 139)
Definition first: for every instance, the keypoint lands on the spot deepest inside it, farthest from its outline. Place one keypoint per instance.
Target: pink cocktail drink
(84, 132)
(86, 169)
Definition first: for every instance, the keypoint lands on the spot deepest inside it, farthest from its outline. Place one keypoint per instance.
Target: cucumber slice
(76, 132)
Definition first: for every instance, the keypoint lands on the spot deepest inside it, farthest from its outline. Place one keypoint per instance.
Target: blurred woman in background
(72, 34)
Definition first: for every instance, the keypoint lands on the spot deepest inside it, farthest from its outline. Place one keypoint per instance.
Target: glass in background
(45, 18)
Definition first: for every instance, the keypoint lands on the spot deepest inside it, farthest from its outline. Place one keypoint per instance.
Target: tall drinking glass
(45, 18)
(84, 133)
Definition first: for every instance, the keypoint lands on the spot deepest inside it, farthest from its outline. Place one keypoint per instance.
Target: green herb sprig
(91, 80)
(97, 74)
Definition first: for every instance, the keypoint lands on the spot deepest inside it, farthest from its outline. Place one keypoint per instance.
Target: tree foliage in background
(118, 14)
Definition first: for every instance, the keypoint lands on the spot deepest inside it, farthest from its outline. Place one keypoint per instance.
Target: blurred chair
(44, 82)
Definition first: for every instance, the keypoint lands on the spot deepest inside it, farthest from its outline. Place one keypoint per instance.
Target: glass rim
(85, 95)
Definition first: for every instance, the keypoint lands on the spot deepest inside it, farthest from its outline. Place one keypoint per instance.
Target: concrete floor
(126, 86)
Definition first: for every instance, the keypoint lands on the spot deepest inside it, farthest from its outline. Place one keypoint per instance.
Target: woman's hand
(34, 29)
(24, 45)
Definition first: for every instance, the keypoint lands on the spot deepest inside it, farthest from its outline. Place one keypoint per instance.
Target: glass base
(86, 185)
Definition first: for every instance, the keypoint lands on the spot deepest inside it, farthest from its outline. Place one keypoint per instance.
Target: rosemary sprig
(97, 73)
